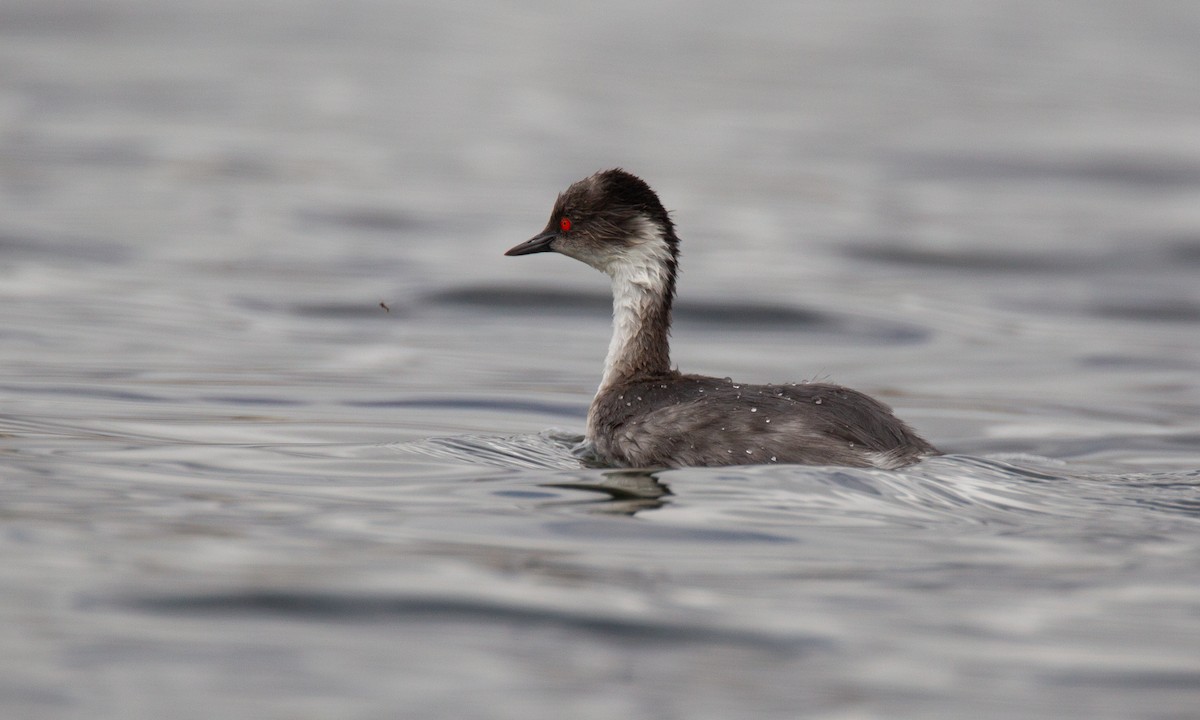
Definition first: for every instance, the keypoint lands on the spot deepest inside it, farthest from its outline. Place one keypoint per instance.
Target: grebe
(646, 414)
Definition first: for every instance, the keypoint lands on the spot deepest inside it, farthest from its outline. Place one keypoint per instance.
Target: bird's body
(646, 414)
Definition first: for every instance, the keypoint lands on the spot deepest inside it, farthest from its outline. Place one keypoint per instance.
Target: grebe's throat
(643, 285)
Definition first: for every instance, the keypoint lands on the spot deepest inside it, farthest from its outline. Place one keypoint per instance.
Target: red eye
(564, 224)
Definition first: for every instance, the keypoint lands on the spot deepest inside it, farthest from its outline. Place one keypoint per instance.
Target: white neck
(640, 278)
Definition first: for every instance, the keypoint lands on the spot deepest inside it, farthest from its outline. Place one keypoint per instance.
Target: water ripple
(365, 608)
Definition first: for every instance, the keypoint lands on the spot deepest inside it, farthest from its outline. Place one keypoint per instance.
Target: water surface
(283, 435)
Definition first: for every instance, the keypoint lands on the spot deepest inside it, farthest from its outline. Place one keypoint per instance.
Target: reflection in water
(629, 492)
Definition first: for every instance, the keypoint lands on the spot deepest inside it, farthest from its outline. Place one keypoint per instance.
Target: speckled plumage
(645, 414)
(688, 420)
